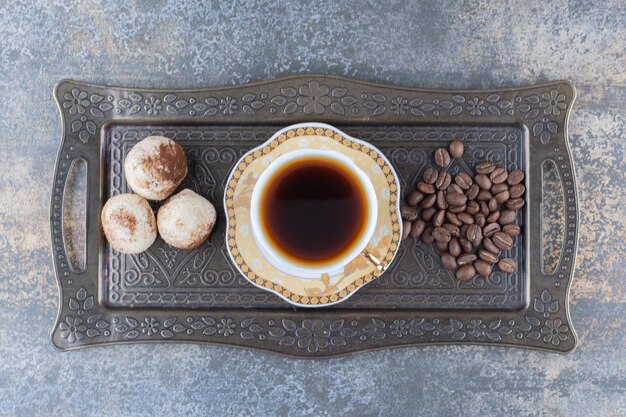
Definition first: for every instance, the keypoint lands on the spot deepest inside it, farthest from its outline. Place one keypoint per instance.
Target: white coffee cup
(336, 266)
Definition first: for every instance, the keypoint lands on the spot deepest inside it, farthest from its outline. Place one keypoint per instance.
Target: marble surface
(162, 43)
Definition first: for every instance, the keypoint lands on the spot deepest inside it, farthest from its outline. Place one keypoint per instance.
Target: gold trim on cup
(374, 260)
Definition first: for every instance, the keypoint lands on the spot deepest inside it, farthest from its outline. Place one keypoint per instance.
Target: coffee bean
(491, 229)
(498, 188)
(488, 256)
(439, 217)
(478, 239)
(484, 195)
(442, 246)
(498, 175)
(482, 181)
(426, 188)
(456, 149)
(517, 190)
(441, 200)
(463, 230)
(414, 198)
(488, 243)
(408, 213)
(515, 177)
(507, 265)
(457, 209)
(442, 234)
(483, 268)
(480, 219)
(427, 236)
(465, 273)
(492, 204)
(484, 208)
(442, 157)
(472, 207)
(502, 241)
(430, 175)
(507, 217)
(512, 230)
(448, 261)
(493, 217)
(406, 229)
(456, 199)
(454, 247)
(463, 180)
(453, 188)
(515, 204)
(418, 228)
(472, 192)
(452, 218)
(465, 218)
(466, 245)
(485, 167)
(502, 197)
(443, 180)
(472, 232)
(466, 258)
(477, 243)
(427, 214)
(454, 230)
(429, 201)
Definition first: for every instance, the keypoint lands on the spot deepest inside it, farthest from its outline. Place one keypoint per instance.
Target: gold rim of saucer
(392, 206)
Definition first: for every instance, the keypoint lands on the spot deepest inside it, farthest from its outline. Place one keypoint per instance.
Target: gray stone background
(466, 44)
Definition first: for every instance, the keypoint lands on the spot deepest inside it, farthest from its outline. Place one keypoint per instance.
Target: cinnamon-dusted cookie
(186, 220)
(155, 167)
(128, 223)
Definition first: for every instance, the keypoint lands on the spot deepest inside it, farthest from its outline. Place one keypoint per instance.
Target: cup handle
(374, 260)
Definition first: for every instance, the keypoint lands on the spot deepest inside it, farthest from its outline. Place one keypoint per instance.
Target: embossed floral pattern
(81, 303)
(399, 328)
(84, 127)
(228, 105)
(313, 335)
(476, 328)
(544, 304)
(150, 326)
(72, 329)
(544, 129)
(476, 106)
(152, 106)
(76, 101)
(554, 332)
(399, 106)
(226, 327)
(553, 102)
(313, 97)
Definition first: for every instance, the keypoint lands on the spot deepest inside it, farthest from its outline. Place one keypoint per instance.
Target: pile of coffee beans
(471, 219)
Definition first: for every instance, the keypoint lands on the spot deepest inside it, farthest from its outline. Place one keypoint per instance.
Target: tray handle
(553, 218)
(71, 177)
(556, 176)
(559, 231)
(77, 153)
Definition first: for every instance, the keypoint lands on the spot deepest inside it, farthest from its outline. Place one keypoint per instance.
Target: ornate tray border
(86, 108)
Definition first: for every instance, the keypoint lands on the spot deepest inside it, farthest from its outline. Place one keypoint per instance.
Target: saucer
(325, 290)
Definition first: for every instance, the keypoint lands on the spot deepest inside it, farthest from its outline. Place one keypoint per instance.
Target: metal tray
(197, 296)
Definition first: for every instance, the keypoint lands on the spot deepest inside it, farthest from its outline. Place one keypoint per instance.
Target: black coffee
(314, 210)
